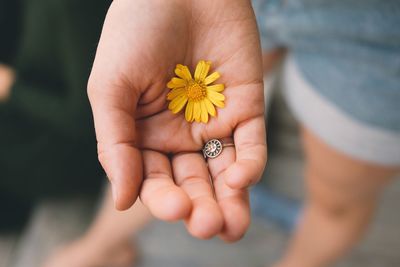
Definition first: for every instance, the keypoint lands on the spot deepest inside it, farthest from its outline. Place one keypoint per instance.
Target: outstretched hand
(147, 150)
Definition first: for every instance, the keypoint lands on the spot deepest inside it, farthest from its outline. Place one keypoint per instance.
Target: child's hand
(7, 78)
(139, 139)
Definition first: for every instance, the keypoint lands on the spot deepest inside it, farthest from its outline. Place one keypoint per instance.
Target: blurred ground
(168, 245)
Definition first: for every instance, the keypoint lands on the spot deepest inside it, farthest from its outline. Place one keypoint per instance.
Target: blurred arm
(7, 78)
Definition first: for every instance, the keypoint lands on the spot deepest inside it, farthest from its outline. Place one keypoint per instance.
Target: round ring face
(212, 148)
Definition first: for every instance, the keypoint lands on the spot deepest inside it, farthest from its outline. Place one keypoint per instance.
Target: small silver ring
(213, 148)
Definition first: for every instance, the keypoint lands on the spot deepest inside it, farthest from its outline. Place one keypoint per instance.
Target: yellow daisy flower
(198, 95)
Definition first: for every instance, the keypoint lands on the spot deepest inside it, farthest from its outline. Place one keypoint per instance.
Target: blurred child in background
(341, 78)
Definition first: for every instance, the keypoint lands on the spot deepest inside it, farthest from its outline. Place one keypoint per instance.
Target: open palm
(146, 149)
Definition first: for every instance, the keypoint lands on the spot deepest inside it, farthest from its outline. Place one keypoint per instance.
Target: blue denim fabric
(348, 50)
(274, 207)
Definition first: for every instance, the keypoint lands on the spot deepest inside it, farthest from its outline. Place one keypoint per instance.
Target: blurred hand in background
(7, 78)
(141, 143)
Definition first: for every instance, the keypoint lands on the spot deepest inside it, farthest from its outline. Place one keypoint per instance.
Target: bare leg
(272, 58)
(342, 195)
(108, 240)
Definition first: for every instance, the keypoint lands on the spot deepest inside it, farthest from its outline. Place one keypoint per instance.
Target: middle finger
(191, 174)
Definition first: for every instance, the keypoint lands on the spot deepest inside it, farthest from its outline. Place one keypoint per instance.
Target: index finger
(113, 109)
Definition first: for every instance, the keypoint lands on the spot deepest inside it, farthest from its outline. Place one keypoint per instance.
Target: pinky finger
(251, 154)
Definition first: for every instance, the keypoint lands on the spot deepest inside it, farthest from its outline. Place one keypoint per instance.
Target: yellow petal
(216, 87)
(189, 111)
(177, 104)
(215, 95)
(204, 112)
(180, 106)
(197, 111)
(205, 70)
(210, 107)
(198, 70)
(212, 78)
(170, 85)
(176, 93)
(176, 83)
(218, 103)
(202, 69)
(183, 72)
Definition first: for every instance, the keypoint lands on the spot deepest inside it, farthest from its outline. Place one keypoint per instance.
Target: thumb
(114, 117)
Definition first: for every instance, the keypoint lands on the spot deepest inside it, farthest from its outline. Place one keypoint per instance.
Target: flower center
(196, 92)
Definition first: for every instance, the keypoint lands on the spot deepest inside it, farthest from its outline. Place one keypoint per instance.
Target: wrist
(7, 79)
